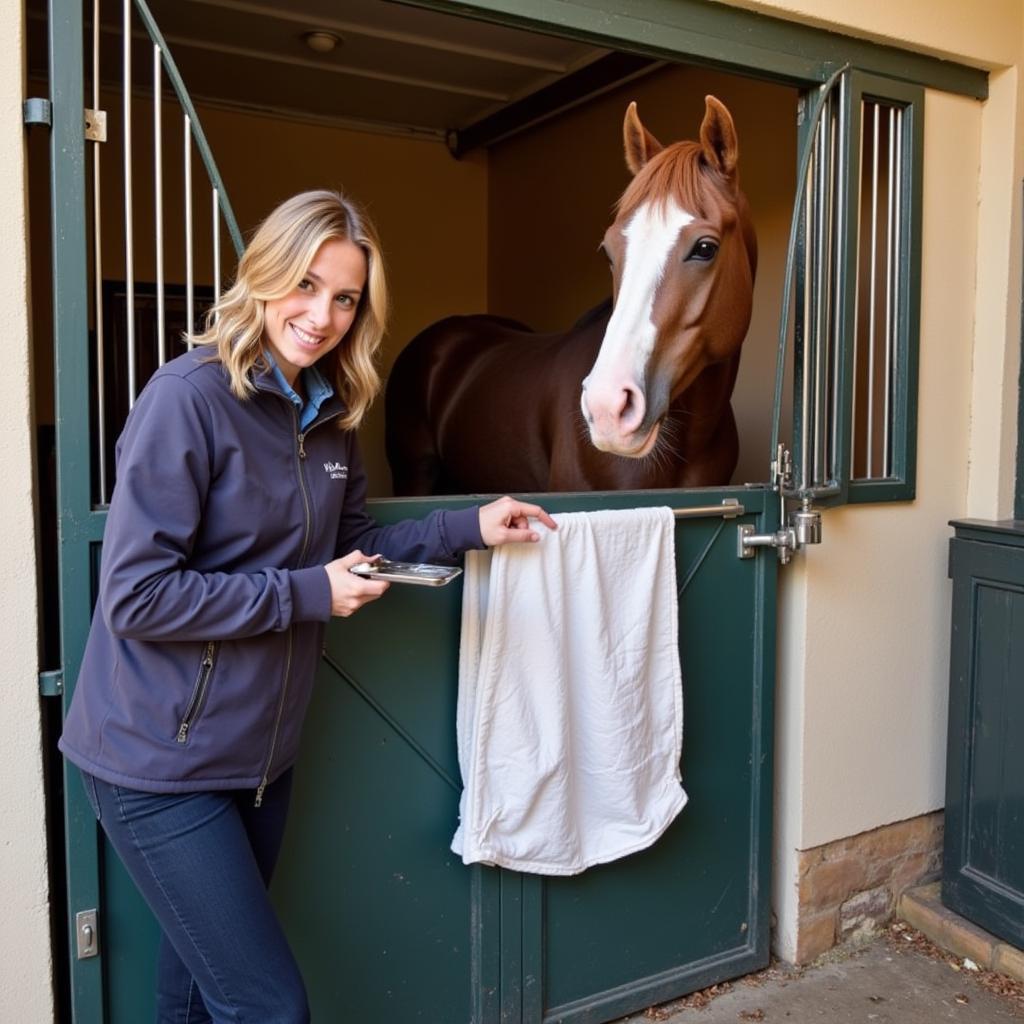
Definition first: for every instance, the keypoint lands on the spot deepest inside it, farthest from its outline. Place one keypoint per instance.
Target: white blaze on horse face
(614, 395)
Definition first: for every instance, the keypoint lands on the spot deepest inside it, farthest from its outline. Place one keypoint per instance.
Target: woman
(239, 509)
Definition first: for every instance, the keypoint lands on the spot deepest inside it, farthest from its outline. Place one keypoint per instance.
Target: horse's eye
(704, 250)
(607, 255)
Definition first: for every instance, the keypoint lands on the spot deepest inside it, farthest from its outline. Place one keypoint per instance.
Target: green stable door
(389, 925)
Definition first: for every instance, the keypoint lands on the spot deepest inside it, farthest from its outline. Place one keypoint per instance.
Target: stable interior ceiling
(371, 65)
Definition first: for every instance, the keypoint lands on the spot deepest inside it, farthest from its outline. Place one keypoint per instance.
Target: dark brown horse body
(481, 404)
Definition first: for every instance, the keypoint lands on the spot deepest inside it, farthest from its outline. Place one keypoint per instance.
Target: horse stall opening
(388, 924)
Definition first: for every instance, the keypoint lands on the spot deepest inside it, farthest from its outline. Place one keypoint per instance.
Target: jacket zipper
(199, 691)
(300, 456)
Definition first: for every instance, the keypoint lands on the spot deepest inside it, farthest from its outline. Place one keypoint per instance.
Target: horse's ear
(718, 137)
(640, 144)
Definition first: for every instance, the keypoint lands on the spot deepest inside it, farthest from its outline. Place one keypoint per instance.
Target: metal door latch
(86, 934)
(803, 525)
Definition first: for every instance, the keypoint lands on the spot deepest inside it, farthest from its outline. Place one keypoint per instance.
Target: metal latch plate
(95, 125)
(87, 934)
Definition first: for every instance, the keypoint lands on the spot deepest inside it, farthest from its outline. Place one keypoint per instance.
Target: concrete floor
(896, 978)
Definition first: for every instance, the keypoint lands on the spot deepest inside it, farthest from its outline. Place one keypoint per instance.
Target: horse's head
(682, 254)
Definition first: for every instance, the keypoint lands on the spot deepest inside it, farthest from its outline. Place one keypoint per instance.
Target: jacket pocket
(195, 703)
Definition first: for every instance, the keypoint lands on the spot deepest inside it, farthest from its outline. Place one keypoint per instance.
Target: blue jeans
(202, 862)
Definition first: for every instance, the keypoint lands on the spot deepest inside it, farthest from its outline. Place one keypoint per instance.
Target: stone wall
(851, 886)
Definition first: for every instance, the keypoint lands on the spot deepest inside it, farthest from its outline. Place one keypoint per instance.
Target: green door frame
(713, 33)
(81, 529)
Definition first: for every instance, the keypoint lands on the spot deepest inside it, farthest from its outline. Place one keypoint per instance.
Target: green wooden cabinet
(983, 870)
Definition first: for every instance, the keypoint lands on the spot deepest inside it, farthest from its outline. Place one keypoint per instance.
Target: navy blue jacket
(213, 594)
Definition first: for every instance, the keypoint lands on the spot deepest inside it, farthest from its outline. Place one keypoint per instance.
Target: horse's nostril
(632, 407)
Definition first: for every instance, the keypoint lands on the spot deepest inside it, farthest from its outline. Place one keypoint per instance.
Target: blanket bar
(729, 509)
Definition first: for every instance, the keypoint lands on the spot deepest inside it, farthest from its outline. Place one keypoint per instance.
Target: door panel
(388, 923)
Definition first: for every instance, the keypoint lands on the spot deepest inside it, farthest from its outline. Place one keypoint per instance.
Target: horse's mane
(680, 172)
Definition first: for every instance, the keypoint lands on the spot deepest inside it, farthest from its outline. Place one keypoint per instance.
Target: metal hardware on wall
(51, 683)
(87, 934)
(799, 527)
(36, 110)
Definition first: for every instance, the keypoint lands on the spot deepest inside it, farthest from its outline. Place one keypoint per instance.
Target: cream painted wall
(553, 188)
(25, 968)
(993, 437)
(981, 33)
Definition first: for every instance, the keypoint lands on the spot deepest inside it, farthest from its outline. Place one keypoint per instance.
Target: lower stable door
(389, 924)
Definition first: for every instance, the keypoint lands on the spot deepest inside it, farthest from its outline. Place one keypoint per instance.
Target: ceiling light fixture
(320, 41)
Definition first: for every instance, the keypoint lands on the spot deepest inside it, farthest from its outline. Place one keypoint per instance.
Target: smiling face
(310, 321)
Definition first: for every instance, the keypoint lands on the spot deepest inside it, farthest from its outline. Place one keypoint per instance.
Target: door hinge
(36, 110)
(95, 125)
(51, 683)
(87, 936)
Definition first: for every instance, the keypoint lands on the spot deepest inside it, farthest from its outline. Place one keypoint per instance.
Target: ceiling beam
(604, 74)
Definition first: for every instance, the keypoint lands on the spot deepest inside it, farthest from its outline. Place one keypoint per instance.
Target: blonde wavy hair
(275, 261)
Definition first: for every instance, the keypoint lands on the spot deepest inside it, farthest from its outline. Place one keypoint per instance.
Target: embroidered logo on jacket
(336, 471)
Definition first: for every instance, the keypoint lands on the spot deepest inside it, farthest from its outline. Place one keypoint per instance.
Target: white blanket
(570, 710)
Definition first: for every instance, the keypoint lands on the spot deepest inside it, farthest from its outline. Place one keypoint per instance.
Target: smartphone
(422, 573)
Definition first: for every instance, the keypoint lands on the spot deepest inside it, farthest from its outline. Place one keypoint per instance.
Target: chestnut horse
(481, 404)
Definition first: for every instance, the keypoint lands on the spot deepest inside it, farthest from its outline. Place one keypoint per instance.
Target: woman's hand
(350, 592)
(508, 521)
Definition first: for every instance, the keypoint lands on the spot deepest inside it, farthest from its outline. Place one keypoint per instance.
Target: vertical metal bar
(813, 350)
(857, 317)
(216, 244)
(899, 293)
(872, 292)
(824, 354)
(890, 253)
(158, 206)
(810, 203)
(842, 161)
(812, 362)
(97, 238)
(188, 230)
(129, 249)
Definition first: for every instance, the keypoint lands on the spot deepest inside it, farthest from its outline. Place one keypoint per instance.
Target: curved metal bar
(198, 135)
(787, 285)
(216, 244)
(190, 324)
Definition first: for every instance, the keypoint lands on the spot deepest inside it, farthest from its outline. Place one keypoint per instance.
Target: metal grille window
(138, 325)
(857, 311)
(878, 293)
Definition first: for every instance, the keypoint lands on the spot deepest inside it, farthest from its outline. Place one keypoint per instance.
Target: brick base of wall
(850, 887)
